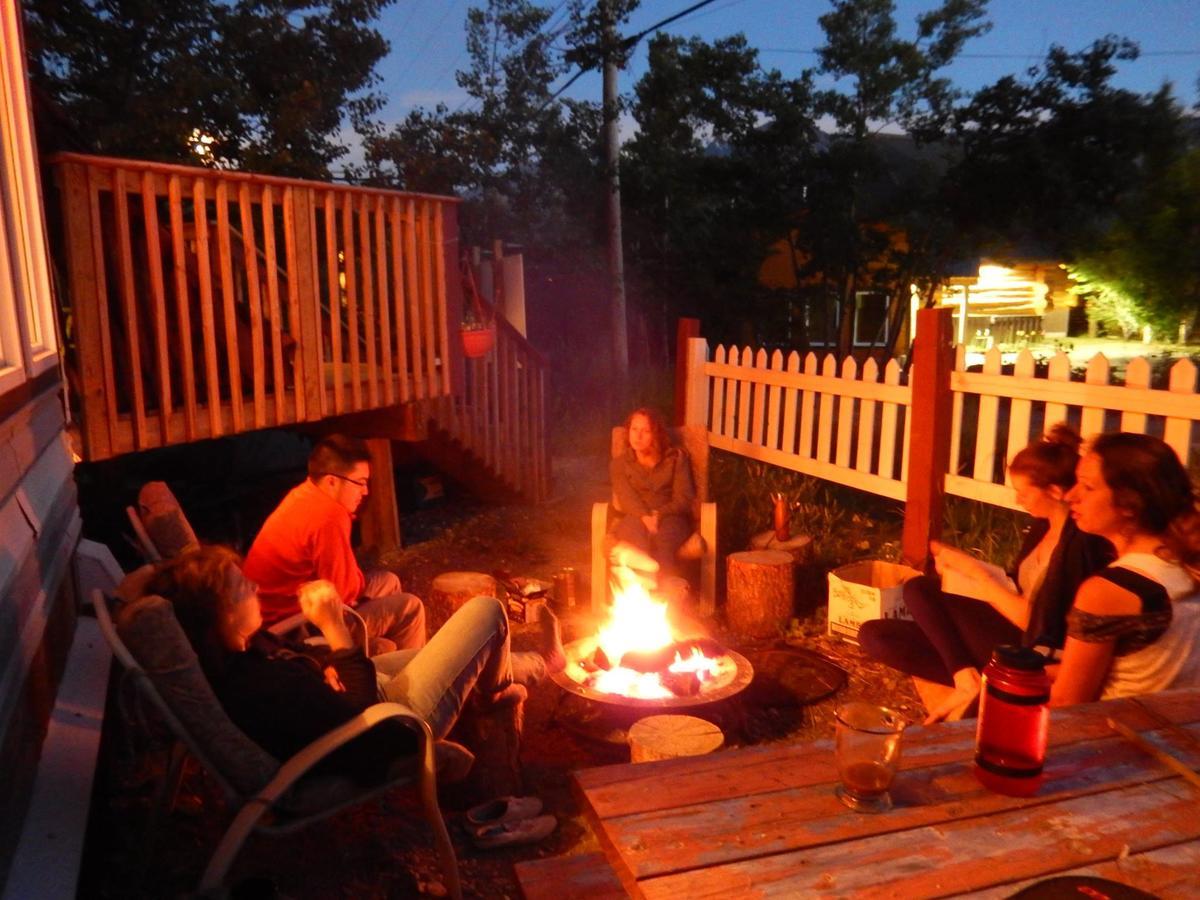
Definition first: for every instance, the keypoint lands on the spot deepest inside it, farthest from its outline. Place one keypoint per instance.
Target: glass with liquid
(868, 754)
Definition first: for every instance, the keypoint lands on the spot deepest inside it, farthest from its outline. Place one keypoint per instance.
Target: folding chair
(266, 795)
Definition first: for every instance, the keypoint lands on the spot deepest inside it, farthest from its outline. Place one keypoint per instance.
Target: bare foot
(550, 646)
(958, 703)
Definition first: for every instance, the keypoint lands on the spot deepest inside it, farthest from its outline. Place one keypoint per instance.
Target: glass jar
(1014, 718)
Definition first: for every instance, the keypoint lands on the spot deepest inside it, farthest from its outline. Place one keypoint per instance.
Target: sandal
(504, 809)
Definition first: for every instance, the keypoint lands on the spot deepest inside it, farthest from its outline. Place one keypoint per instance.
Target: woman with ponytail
(959, 620)
(1134, 627)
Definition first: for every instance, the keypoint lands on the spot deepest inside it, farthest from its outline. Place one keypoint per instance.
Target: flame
(638, 623)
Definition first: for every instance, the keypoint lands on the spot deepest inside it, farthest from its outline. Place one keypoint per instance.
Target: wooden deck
(764, 821)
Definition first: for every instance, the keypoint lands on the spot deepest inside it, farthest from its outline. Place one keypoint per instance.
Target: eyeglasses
(354, 481)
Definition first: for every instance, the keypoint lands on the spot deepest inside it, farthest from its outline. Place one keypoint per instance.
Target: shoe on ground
(512, 834)
(504, 809)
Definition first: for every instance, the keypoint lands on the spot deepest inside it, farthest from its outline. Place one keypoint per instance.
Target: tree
(894, 82)
(269, 82)
(713, 175)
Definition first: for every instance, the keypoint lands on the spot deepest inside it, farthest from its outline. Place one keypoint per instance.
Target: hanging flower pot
(478, 341)
(479, 325)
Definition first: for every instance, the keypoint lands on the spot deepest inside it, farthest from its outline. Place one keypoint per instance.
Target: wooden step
(579, 875)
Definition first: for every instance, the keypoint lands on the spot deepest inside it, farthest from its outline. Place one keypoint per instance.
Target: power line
(800, 52)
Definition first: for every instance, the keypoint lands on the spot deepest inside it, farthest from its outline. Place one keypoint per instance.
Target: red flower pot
(478, 341)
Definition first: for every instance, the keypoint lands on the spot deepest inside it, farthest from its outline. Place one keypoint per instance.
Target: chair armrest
(297, 621)
(299, 764)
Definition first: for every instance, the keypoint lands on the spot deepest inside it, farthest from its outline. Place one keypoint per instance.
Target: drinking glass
(868, 754)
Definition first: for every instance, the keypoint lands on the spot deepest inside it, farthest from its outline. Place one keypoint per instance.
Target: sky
(428, 41)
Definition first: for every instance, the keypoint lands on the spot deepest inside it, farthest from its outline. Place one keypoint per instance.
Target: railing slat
(271, 264)
(333, 270)
(790, 397)
(1177, 431)
(1092, 422)
(254, 299)
(412, 301)
(1137, 375)
(437, 245)
(985, 426)
(773, 403)
(352, 326)
(385, 316)
(158, 297)
(229, 301)
(128, 294)
(866, 421)
(399, 299)
(807, 406)
(368, 304)
(208, 327)
(845, 414)
(183, 308)
(1059, 370)
(1020, 413)
(887, 424)
(825, 417)
(427, 312)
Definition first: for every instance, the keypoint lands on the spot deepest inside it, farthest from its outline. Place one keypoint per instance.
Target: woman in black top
(951, 637)
(652, 482)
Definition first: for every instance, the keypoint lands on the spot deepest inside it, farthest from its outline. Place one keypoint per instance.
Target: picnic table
(764, 820)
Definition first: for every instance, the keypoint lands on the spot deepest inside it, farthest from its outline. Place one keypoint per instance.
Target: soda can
(564, 589)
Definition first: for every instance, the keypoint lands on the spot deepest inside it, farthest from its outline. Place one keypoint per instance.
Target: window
(28, 345)
(870, 318)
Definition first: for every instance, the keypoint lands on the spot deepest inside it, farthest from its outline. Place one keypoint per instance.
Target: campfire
(636, 655)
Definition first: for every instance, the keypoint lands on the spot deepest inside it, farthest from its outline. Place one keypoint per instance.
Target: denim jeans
(391, 613)
(469, 651)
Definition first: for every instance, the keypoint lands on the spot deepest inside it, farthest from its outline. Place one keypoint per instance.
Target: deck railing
(205, 303)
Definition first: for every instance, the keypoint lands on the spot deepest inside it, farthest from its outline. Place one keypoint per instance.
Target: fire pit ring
(742, 678)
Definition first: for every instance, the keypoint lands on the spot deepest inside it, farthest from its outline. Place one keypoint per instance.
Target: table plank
(628, 788)
(962, 855)
(707, 834)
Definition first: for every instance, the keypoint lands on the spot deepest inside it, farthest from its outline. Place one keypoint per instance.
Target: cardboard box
(866, 590)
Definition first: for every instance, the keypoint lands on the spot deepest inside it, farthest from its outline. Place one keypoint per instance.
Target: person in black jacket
(284, 695)
(951, 636)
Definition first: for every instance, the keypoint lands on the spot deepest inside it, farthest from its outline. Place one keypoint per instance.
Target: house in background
(39, 516)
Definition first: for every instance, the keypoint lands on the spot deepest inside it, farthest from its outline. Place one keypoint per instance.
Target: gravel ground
(383, 849)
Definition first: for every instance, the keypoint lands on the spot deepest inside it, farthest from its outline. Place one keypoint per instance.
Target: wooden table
(764, 821)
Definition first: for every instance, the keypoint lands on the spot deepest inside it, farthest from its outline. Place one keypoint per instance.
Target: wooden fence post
(684, 331)
(929, 447)
(300, 219)
(695, 390)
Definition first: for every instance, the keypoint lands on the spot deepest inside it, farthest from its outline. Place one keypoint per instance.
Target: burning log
(681, 684)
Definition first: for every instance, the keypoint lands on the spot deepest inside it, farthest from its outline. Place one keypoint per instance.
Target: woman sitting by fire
(652, 483)
(958, 622)
(284, 695)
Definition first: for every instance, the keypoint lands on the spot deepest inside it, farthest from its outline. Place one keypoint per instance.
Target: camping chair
(702, 545)
(159, 525)
(268, 796)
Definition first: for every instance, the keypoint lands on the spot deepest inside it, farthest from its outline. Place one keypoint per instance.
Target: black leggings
(947, 633)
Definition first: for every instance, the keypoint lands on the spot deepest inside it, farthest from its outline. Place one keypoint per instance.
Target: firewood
(600, 658)
(649, 660)
(681, 684)
(451, 590)
(669, 737)
(759, 591)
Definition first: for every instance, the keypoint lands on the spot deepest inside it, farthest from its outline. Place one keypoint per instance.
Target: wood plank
(385, 312)
(1097, 373)
(254, 300)
(578, 875)
(1020, 413)
(399, 300)
(866, 421)
(745, 391)
(368, 300)
(158, 299)
(300, 230)
(825, 414)
(333, 269)
(956, 413)
(228, 304)
(274, 311)
(808, 406)
(986, 425)
(888, 420)
(127, 292)
(1137, 375)
(439, 246)
(183, 308)
(774, 400)
(845, 414)
(962, 855)
(812, 379)
(412, 295)
(1059, 371)
(428, 314)
(208, 328)
(350, 273)
(790, 398)
(731, 387)
(1177, 431)
(758, 402)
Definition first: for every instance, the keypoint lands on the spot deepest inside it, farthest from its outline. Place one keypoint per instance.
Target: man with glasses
(307, 537)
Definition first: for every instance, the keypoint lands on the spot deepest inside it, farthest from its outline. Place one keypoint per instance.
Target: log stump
(669, 737)
(493, 734)
(759, 589)
(450, 590)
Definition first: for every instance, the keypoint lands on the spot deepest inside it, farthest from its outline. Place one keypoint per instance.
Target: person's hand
(320, 603)
(651, 522)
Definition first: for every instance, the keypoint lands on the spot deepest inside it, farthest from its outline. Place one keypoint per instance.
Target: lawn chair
(266, 795)
(702, 545)
(159, 525)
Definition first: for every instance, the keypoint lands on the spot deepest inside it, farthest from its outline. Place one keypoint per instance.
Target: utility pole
(616, 257)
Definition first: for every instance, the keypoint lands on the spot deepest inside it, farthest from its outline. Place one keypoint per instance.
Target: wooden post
(684, 330)
(304, 272)
(929, 447)
(696, 385)
(380, 518)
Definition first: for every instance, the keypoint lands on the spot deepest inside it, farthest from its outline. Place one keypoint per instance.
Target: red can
(1014, 720)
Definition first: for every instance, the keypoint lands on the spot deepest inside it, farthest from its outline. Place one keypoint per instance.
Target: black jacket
(276, 692)
(1077, 556)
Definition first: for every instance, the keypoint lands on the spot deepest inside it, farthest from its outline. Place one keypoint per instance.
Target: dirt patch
(383, 849)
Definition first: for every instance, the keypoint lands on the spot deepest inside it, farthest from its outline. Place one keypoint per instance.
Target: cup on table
(868, 754)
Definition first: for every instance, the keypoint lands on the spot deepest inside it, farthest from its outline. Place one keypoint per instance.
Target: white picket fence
(845, 423)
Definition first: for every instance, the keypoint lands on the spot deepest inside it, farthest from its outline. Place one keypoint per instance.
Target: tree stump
(759, 589)
(493, 734)
(450, 590)
(669, 737)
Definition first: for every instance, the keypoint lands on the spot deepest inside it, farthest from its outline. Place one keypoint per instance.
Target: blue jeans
(469, 651)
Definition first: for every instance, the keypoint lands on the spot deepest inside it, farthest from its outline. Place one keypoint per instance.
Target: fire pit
(638, 660)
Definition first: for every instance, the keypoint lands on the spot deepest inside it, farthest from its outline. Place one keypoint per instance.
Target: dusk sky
(428, 42)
